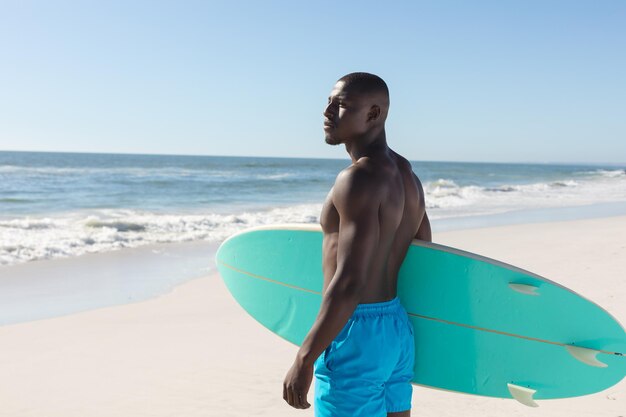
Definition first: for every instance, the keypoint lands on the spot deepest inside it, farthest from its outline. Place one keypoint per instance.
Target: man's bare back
(373, 211)
(389, 187)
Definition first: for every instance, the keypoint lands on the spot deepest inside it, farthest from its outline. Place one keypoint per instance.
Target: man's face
(345, 116)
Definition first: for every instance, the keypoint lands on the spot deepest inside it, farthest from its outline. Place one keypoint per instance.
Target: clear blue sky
(540, 81)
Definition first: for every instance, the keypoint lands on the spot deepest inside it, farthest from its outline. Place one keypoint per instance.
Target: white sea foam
(73, 234)
(446, 199)
(610, 173)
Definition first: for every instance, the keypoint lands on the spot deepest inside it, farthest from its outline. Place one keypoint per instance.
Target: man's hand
(297, 384)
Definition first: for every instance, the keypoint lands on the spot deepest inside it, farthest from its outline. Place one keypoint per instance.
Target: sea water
(55, 205)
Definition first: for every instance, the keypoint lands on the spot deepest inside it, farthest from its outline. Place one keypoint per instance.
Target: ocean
(56, 205)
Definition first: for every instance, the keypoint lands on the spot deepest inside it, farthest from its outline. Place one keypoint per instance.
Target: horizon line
(623, 164)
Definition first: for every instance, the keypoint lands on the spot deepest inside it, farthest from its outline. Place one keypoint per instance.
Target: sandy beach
(195, 352)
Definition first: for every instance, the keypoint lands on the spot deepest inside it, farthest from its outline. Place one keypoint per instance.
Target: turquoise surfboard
(482, 327)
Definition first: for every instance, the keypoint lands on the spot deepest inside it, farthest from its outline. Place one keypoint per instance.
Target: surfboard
(482, 327)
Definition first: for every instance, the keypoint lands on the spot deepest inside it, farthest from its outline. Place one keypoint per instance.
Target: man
(361, 345)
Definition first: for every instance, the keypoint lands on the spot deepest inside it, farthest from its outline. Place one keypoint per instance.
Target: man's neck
(365, 146)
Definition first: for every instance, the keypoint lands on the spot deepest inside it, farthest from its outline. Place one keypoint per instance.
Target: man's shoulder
(358, 176)
(357, 185)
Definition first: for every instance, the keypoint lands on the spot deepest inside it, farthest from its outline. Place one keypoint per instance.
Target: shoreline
(596, 210)
(44, 289)
(532, 216)
(194, 351)
(131, 275)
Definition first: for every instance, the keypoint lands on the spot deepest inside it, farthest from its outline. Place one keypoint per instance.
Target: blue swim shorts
(367, 369)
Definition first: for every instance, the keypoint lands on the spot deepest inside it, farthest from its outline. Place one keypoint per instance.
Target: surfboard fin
(586, 356)
(523, 395)
(524, 288)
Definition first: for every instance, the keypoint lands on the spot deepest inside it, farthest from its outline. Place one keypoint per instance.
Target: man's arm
(424, 232)
(357, 201)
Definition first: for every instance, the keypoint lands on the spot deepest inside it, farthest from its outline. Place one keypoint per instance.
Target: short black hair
(364, 82)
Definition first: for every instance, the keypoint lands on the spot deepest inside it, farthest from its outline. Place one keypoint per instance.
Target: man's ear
(374, 113)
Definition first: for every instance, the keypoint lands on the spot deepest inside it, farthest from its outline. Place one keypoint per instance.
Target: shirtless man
(361, 347)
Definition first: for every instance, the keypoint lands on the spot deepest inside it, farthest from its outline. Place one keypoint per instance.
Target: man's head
(357, 107)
